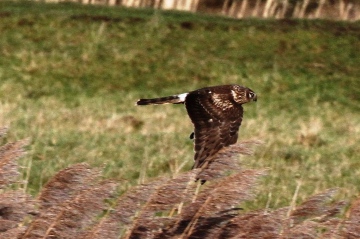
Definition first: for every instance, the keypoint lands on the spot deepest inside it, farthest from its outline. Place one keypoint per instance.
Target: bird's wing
(216, 120)
(209, 139)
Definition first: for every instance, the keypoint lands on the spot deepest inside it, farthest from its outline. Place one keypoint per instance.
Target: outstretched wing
(216, 119)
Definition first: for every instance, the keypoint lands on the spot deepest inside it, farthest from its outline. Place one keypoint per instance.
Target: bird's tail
(173, 99)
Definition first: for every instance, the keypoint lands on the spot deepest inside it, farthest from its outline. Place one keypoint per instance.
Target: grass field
(70, 76)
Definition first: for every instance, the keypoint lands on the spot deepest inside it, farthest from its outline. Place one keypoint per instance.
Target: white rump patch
(182, 96)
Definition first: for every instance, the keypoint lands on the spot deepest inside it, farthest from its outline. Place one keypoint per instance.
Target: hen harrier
(216, 113)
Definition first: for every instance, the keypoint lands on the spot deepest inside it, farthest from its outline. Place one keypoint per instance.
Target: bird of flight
(216, 113)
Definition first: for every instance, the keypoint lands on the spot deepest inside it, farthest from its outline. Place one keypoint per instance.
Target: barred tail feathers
(173, 99)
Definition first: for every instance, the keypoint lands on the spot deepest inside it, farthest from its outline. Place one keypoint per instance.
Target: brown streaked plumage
(216, 113)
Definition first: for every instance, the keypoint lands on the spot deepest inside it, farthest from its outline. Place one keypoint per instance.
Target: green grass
(70, 76)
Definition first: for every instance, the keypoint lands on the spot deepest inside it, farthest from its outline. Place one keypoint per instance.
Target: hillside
(70, 76)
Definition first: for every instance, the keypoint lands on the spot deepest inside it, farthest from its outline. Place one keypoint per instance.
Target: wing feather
(216, 121)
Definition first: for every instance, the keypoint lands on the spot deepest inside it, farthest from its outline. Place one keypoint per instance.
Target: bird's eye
(251, 95)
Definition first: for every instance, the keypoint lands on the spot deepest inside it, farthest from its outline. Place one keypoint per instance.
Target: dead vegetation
(346, 10)
(78, 203)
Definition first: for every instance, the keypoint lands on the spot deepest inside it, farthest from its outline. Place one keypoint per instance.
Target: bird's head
(243, 94)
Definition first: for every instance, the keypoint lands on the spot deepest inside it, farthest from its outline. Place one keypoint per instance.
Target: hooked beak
(255, 98)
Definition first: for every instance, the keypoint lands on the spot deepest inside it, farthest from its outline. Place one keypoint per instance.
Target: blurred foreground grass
(70, 76)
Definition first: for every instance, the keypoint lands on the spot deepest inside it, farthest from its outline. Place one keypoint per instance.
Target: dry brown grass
(347, 10)
(77, 203)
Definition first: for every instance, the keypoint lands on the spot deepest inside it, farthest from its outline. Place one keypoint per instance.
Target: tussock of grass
(77, 203)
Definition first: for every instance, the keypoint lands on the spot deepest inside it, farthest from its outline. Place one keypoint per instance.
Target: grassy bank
(70, 76)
